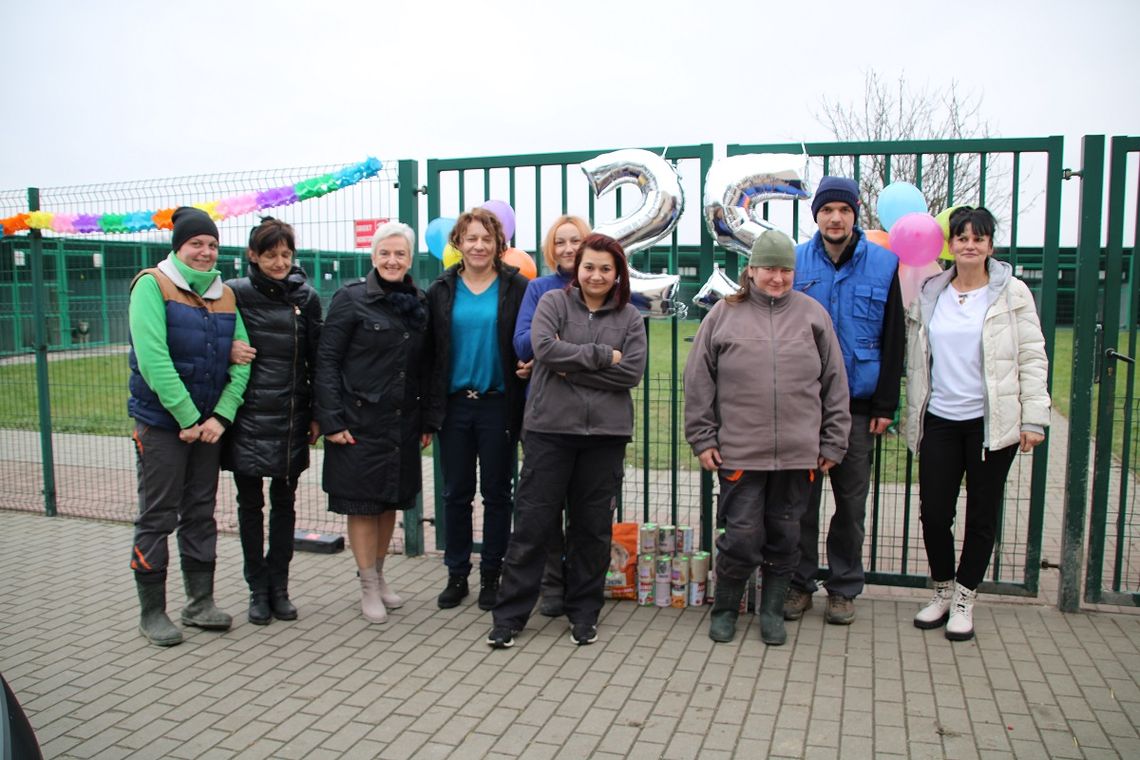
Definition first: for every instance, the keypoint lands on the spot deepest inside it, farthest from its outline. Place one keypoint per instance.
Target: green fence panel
(894, 550)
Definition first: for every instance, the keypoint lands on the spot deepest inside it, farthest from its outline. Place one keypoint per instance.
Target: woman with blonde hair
(559, 249)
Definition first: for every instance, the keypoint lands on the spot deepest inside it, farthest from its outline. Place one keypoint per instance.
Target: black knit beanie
(835, 190)
(188, 222)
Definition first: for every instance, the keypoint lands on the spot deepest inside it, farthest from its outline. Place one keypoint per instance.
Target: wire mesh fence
(86, 291)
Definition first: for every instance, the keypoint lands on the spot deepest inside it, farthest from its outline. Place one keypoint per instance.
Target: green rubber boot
(153, 622)
(200, 610)
(726, 608)
(772, 594)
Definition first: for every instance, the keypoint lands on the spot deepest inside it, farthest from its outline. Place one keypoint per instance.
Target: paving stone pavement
(1034, 683)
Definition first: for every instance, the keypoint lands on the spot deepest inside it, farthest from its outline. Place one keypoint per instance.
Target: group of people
(789, 379)
(245, 375)
(796, 374)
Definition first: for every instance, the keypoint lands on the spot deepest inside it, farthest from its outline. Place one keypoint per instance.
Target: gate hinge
(1070, 173)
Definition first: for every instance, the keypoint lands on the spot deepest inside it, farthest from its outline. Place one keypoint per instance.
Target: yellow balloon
(943, 219)
(451, 256)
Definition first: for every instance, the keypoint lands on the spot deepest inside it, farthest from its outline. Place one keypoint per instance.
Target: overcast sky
(109, 91)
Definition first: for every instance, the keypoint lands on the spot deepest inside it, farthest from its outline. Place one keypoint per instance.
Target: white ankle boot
(371, 604)
(392, 600)
(936, 611)
(960, 627)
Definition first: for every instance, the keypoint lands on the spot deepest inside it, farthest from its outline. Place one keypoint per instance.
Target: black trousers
(270, 570)
(949, 449)
(761, 513)
(585, 475)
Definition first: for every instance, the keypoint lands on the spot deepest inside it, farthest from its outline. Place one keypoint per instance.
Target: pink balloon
(916, 238)
(506, 215)
(911, 279)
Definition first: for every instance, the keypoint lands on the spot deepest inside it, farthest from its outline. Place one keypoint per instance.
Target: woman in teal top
(480, 395)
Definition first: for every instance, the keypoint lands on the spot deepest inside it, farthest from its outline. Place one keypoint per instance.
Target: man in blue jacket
(857, 282)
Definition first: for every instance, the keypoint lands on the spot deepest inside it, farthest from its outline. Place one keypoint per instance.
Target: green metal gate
(1113, 567)
(894, 554)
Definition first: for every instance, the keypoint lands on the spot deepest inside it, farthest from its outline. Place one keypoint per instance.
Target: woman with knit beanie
(184, 392)
(766, 406)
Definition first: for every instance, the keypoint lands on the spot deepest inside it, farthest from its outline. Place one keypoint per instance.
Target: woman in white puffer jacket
(976, 393)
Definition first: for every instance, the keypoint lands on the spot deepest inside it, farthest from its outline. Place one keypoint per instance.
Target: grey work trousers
(761, 513)
(178, 488)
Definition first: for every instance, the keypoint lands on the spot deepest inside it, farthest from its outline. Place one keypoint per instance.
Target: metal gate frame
(535, 162)
(1106, 360)
(1053, 148)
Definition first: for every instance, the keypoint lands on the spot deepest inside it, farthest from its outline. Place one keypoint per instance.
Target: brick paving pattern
(1035, 683)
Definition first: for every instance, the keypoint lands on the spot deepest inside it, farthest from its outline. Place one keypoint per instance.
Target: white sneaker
(960, 627)
(936, 611)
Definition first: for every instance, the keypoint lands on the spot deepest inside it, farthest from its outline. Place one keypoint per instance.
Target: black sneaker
(455, 592)
(501, 637)
(583, 633)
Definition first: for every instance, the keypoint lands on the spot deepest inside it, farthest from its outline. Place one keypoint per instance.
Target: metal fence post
(407, 186)
(1084, 359)
(47, 455)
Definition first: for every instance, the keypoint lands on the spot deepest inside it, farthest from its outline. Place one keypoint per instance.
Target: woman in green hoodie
(183, 394)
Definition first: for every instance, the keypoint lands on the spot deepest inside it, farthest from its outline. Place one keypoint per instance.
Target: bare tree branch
(896, 111)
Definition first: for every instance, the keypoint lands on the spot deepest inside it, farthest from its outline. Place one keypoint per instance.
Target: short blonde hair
(548, 242)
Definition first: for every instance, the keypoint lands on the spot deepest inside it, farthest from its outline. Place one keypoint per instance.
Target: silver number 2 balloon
(663, 201)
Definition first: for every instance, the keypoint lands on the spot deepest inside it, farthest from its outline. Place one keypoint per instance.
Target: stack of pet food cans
(670, 573)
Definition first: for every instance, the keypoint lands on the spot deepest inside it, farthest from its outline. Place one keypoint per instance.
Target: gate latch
(1113, 354)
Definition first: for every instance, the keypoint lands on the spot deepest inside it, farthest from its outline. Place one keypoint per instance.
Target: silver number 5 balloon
(735, 189)
(663, 201)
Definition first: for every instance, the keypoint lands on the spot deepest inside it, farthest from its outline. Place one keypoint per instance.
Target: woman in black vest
(372, 381)
(272, 431)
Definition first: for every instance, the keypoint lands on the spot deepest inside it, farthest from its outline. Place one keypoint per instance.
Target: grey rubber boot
(153, 622)
(200, 610)
(726, 608)
(772, 594)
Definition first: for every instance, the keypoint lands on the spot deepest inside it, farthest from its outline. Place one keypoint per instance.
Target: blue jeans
(475, 431)
(850, 483)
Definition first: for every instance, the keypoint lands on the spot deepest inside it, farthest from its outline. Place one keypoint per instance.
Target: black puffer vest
(269, 435)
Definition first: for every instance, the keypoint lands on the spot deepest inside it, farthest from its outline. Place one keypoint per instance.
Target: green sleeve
(232, 394)
(147, 317)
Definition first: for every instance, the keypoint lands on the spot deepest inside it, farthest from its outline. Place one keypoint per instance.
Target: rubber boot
(153, 622)
(773, 591)
(392, 600)
(726, 608)
(200, 610)
(371, 604)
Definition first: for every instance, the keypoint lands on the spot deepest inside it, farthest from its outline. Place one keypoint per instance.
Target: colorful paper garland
(140, 221)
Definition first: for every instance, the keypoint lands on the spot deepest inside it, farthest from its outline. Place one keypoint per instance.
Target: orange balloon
(879, 237)
(522, 260)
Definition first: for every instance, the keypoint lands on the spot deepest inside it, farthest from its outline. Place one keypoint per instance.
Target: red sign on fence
(365, 229)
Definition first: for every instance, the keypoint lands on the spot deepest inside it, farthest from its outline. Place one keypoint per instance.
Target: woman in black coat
(273, 428)
(372, 381)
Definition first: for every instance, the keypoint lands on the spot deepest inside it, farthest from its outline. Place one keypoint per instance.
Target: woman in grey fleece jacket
(766, 405)
(590, 351)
